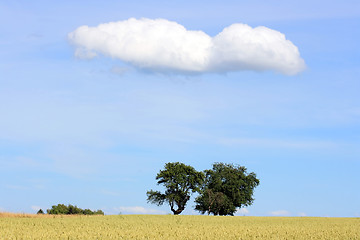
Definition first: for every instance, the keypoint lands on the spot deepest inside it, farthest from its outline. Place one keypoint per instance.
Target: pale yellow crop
(176, 227)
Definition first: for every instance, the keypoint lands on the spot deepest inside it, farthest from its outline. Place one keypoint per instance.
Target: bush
(70, 209)
(40, 211)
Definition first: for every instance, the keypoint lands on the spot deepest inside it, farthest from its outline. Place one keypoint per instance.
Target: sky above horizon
(95, 97)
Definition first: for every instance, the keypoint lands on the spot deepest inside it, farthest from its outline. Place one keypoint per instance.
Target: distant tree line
(222, 190)
(70, 209)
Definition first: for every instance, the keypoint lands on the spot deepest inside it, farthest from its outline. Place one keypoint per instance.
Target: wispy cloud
(110, 193)
(119, 70)
(164, 46)
(138, 210)
(280, 213)
(16, 187)
(280, 143)
(35, 208)
(242, 211)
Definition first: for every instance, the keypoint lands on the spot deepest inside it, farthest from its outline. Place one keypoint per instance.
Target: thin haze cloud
(138, 210)
(164, 46)
(280, 213)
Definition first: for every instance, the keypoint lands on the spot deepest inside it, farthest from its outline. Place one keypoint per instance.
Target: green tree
(58, 209)
(180, 181)
(226, 188)
(74, 210)
(99, 212)
(88, 212)
(70, 209)
(40, 211)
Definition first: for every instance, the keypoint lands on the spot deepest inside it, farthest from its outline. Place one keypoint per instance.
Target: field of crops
(176, 227)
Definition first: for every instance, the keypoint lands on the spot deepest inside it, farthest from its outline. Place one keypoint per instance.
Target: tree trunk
(177, 211)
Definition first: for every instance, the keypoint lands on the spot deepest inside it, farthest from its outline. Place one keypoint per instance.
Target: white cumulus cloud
(138, 210)
(242, 211)
(160, 45)
(280, 213)
(35, 208)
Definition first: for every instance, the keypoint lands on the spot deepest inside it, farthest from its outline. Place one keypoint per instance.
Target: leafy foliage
(180, 181)
(226, 188)
(40, 211)
(70, 209)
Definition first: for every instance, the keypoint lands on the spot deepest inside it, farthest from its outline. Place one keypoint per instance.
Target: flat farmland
(22, 226)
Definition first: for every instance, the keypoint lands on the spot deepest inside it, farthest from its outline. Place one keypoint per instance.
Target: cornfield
(24, 226)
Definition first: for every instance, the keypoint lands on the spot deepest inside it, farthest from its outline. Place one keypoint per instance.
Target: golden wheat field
(22, 226)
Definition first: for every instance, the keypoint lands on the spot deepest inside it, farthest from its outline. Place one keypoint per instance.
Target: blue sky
(95, 132)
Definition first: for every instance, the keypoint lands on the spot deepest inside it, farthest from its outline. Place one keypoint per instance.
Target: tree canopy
(40, 211)
(226, 188)
(70, 209)
(180, 181)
